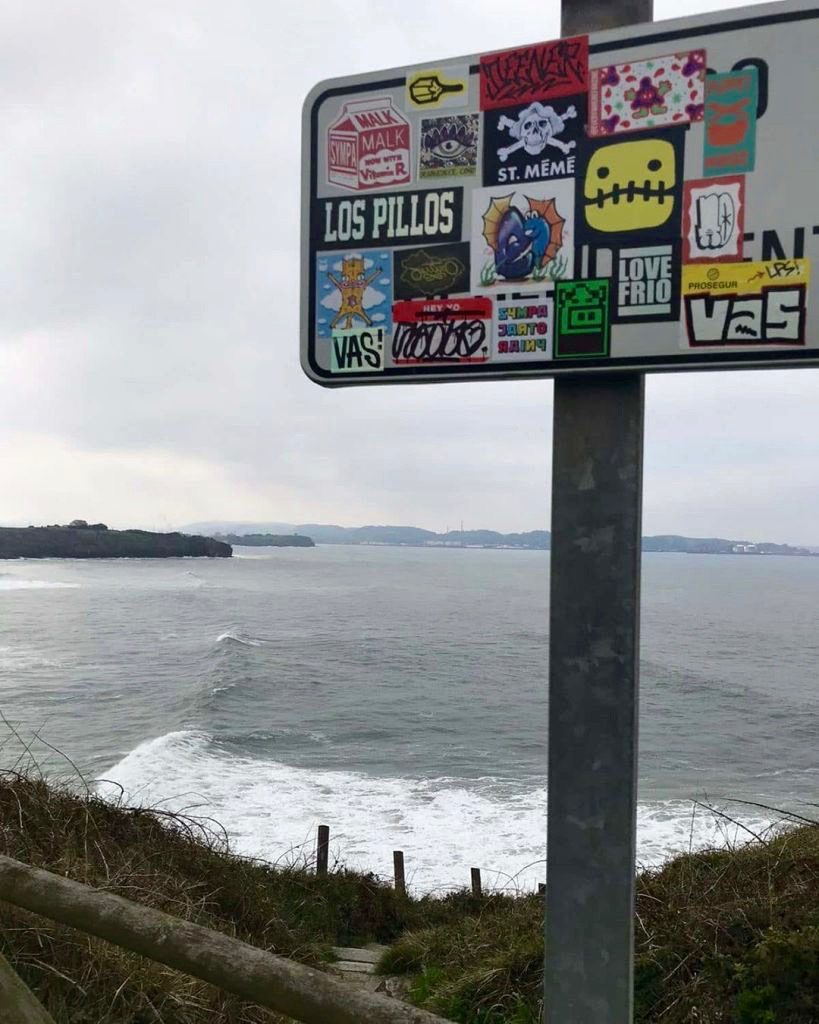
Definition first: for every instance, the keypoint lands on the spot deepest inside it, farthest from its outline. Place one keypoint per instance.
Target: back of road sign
(639, 199)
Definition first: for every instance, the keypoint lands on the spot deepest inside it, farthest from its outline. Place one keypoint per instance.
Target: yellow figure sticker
(632, 186)
(430, 90)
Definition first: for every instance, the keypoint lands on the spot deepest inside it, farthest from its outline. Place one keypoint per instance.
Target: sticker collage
(521, 225)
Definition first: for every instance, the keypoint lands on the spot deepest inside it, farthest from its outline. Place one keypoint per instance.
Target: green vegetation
(79, 540)
(729, 936)
(180, 865)
(268, 540)
(723, 936)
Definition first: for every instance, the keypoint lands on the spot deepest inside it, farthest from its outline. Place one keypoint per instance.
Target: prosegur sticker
(740, 304)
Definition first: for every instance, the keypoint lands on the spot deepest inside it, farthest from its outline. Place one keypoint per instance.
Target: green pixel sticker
(582, 322)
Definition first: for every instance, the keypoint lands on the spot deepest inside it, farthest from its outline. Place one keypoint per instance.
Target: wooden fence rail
(271, 981)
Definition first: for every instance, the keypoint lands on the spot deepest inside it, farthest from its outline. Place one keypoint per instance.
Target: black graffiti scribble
(441, 340)
(783, 268)
(519, 73)
(743, 328)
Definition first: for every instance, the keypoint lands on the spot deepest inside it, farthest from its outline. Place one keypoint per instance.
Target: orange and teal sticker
(730, 122)
(745, 304)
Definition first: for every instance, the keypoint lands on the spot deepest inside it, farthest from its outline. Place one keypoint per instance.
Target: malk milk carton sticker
(368, 146)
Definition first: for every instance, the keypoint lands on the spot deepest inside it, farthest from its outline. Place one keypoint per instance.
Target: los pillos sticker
(444, 331)
(729, 305)
(649, 93)
(541, 72)
(713, 219)
(534, 142)
(368, 146)
(730, 122)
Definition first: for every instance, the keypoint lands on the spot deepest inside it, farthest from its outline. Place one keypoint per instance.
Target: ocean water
(399, 696)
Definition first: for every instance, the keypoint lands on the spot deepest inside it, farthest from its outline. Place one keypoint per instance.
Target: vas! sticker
(745, 304)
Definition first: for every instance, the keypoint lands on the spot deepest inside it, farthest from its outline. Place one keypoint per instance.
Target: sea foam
(444, 826)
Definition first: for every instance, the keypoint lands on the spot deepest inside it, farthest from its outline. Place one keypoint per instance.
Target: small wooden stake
(476, 882)
(398, 863)
(322, 849)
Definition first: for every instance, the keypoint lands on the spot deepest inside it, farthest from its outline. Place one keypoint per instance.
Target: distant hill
(81, 540)
(267, 540)
(540, 540)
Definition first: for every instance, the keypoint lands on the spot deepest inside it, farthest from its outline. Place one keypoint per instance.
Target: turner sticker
(441, 332)
(534, 142)
(433, 89)
(730, 122)
(713, 219)
(541, 72)
(368, 146)
(632, 187)
(647, 93)
(524, 235)
(745, 304)
(448, 146)
(402, 218)
(523, 327)
(433, 270)
(647, 284)
(582, 319)
(353, 290)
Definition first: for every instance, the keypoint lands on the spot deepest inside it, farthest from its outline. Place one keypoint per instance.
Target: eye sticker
(449, 146)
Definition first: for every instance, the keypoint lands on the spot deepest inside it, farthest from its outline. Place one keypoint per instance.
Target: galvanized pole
(594, 669)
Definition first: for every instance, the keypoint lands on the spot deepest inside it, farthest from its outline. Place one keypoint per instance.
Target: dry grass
(181, 866)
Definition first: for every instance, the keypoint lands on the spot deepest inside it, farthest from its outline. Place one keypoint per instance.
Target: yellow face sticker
(631, 186)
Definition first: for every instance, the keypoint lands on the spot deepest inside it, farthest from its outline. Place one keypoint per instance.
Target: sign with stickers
(638, 199)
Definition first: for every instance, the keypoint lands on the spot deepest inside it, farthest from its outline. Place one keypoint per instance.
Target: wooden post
(322, 849)
(289, 988)
(18, 1002)
(398, 864)
(476, 882)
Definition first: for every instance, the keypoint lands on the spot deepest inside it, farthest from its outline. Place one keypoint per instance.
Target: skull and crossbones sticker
(535, 128)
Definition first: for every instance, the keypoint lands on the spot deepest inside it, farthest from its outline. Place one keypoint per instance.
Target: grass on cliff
(729, 936)
(181, 866)
(726, 936)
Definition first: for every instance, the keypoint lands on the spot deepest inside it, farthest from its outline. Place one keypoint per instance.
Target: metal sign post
(597, 492)
(630, 198)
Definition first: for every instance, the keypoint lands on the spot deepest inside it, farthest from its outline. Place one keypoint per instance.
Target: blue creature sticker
(526, 236)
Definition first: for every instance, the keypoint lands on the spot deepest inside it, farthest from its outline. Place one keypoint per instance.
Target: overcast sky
(149, 373)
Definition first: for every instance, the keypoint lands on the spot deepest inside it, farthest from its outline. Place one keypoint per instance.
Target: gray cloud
(149, 371)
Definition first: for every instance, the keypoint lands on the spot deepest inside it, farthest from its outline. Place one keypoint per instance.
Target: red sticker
(713, 219)
(540, 72)
(441, 331)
